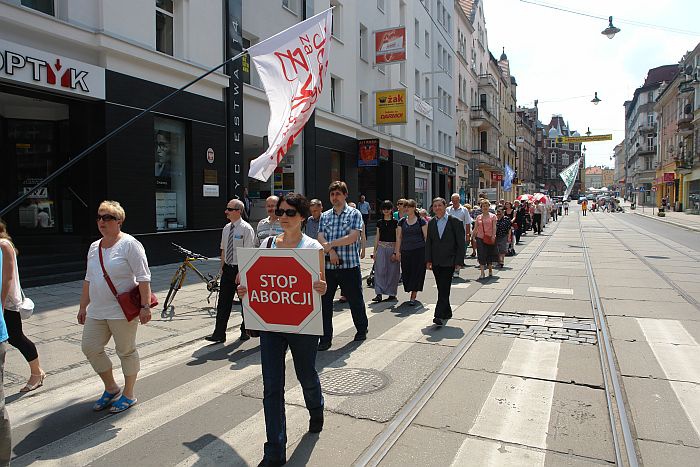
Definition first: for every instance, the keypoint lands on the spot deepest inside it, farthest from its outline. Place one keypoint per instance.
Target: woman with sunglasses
(292, 210)
(124, 260)
(386, 263)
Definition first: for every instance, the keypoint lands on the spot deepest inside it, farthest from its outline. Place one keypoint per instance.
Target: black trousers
(443, 279)
(350, 282)
(17, 338)
(227, 292)
(537, 223)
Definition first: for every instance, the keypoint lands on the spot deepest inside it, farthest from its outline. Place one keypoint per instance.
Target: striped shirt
(334, 226)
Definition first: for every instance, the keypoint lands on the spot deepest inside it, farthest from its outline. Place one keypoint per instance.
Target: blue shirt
(312, 227)
(3, 327)
(441, 223)
(363, 207)
(334, 226)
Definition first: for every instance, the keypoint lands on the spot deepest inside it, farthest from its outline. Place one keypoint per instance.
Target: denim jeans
(273, 349)
(350, 282)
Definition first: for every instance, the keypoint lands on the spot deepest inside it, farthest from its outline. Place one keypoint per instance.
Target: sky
(562, 59)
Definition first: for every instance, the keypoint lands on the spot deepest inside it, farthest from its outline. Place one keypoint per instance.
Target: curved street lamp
(595, 99)
(611, 30)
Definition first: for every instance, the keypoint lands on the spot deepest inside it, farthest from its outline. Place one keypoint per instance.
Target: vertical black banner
(234, 99)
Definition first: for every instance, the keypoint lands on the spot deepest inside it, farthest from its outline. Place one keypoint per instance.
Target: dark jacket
(449, 250)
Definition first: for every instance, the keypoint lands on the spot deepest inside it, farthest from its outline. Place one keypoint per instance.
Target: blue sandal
(104, 401)
(121, 404)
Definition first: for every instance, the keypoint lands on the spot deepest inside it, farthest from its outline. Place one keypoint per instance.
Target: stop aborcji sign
(280, 290)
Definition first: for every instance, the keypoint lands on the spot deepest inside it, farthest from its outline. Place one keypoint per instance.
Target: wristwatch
(146, 307)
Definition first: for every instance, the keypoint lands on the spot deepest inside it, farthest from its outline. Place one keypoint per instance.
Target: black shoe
(216, 340)
(377, 299)
(360, 336)
(324, 346)
(316, 424)
(244, 336)
(438, 321)
(392, 298)
(271, 463)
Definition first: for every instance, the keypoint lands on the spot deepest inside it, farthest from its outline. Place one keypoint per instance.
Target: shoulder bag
(130, 301)
(487, 239)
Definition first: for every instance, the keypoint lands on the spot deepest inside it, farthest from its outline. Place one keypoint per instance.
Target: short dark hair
(387, 204)
(338, 185)
(439, 200)
(298, 202)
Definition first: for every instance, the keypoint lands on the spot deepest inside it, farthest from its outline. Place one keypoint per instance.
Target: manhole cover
(352, 381)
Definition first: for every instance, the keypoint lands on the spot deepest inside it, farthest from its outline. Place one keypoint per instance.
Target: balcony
(646, 127)
(685, 125)
(487, 159)
(482, 118)
(644, 149)
(486, 80)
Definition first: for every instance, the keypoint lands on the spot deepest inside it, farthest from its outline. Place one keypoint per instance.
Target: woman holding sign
(293, 210)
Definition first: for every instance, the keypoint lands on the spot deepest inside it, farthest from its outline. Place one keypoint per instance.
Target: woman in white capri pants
(125, 262)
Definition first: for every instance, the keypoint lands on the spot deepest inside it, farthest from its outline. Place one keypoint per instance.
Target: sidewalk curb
(677, 224)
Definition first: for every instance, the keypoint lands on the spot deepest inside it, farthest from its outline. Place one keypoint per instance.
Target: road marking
(88, 444)
(474, 451)
(518, 409)
(459, 285)
(551, 290)
(678, 354)
(245, 438)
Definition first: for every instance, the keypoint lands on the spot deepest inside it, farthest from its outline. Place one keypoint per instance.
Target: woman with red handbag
(486, 251)
(117, 273)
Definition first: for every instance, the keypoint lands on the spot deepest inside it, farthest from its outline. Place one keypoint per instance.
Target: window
(650, 96)
(417, 83)
(170, 174)
(336, 27)
(650, 119)
(439, 98)
(402, 73)
(291, 5)
(553, 158)
(416, 32)
(427, 44)
(449, 145)
(449, 64)
(363, 42)
(439, 57)
(380, 5)
(552, 172)
(44, 6)
(564, 159)
(418, 132)
(337, 166)
(364, 102)
(440, 141)
(427, 137)
(650, 143)
(335, 94)
(164, 26)
(426, 94)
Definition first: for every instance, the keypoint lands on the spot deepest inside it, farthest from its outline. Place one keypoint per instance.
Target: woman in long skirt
(485, 229)
(386, 263)
(410, 249)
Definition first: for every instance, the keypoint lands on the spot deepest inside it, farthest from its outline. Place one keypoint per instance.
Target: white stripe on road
(551, 290)
(487, 453)
(517, 409)
(678, 354)
(88, 444)
(246, 438)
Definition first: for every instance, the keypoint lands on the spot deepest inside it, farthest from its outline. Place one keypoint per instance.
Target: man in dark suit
(444, 254)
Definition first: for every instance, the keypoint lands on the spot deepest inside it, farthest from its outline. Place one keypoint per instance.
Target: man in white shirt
(461, 213)
(271, 224)
(236, 234)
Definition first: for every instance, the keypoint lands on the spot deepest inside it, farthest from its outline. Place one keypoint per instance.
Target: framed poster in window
(170, 174)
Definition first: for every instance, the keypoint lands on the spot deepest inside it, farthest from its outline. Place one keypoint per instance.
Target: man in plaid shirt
(339, 232)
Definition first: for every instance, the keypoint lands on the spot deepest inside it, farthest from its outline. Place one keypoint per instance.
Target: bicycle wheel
(175, 285)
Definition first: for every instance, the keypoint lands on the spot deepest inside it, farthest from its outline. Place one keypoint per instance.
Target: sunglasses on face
(233, 209)
(106, 217)
(288, 212)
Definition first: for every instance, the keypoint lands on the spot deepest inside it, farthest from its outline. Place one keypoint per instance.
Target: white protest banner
(280, 290)
(569, 175)
(293, 66)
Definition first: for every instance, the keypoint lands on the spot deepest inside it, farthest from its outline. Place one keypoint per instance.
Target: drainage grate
(352, 381)
(543, 327)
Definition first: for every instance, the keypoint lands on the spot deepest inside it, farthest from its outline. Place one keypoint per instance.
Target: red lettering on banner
(291, 59)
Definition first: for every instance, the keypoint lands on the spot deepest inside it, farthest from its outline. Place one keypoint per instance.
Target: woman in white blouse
(126, 264)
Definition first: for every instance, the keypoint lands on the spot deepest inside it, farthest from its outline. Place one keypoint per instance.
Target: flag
(569, 175)
(508, 180)
(293, 66)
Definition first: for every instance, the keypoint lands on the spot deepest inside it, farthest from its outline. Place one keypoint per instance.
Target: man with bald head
(236, 234)
(271, 224)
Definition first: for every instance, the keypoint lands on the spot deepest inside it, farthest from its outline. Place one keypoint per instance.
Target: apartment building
(508, 99)
(525, 141)
(73, 71)
(553, 157)
(619, 172)
(641, 133)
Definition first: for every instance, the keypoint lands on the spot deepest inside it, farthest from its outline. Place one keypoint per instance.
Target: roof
(594, 171)
(661, 73)
(468, 7)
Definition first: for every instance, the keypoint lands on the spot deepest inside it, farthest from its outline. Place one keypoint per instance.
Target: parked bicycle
(179, 278)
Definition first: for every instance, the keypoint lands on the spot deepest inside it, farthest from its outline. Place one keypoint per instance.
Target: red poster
(390, 45)
(669, 176)
(368, 154)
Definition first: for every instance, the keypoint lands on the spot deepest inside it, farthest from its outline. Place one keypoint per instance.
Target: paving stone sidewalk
(57, 335)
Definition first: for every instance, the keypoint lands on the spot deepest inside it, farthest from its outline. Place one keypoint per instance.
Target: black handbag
(370, 278)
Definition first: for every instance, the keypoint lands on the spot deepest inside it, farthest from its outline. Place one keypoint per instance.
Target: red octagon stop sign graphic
(280, 290)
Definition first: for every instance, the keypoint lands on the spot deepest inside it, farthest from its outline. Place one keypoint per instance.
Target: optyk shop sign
(280, 290)
(25, 65)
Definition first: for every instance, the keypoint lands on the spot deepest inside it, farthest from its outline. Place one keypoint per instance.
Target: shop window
(421, 191)
(170, 174)
(164, 26)
(44, 6)
(337, 163)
